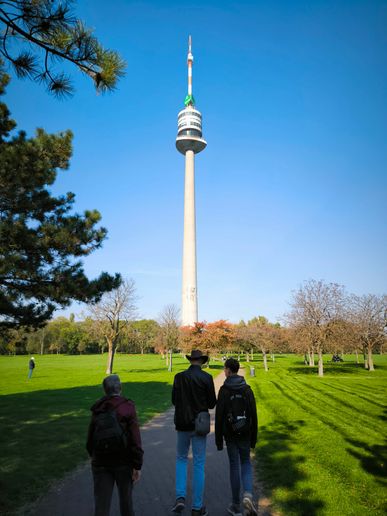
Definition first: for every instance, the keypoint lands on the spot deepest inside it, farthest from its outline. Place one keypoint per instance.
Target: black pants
(104, 479)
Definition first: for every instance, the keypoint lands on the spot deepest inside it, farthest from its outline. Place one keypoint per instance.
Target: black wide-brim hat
(196, 354)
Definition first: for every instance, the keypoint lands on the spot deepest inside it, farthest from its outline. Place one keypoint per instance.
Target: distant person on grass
(193, 394)
(236, 421)
(31, 367)
(114, 444)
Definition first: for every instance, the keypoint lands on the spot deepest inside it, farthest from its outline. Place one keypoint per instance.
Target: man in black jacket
(236, 421)
(193, 392)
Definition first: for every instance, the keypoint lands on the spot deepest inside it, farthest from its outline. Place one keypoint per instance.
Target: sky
(293, 182)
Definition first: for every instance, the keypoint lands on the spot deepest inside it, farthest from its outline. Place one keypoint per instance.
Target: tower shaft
(189, 290)
(189, 141)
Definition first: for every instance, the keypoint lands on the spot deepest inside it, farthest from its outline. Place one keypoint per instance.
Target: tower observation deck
(189, 141)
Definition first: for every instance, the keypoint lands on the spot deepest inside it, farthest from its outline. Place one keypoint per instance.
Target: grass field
(321, 449)
(322, 441)
(43, 421)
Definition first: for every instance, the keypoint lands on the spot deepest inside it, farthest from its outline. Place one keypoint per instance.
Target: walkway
(155, 492)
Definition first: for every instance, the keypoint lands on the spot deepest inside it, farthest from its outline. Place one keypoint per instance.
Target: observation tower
(189, 142)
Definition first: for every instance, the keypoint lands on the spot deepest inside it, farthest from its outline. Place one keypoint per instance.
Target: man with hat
(193, 392)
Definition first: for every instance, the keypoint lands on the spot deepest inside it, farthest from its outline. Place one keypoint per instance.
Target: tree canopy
(42, 240)
(37, 34)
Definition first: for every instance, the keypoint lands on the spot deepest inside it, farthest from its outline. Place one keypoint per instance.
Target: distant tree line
(68, 336)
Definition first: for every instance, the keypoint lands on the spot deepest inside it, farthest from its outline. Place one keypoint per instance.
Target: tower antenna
(189, 100)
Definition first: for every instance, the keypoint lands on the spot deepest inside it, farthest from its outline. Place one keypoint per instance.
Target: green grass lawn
(43, 421)
(322, 441)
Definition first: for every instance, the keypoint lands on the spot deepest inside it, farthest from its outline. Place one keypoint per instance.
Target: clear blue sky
(292, 184)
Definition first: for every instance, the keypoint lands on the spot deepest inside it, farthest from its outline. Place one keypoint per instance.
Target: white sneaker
(248, 506)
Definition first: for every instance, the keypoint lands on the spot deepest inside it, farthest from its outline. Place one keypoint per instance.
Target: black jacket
(234, 383)
(193, 392)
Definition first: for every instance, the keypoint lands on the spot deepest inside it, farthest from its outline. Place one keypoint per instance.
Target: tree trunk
(247, 357)
(170, 362)
(265, 360)
(357, 356)
(252, 354)
(312, 359)
(320, 363)
(365, 359)
(370, 360)
(109, 368)
(167, 359)
(306, 359)
(272, 357)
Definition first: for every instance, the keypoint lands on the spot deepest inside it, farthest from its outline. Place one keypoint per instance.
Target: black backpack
(108, 437)
(237, 412)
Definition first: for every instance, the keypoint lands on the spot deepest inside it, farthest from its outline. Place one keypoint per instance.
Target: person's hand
(136, 475)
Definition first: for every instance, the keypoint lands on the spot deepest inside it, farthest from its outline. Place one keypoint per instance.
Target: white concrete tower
(189, 142)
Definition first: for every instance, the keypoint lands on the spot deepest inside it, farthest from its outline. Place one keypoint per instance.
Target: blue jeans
(30, 373)
(240, 466)
(199, 442)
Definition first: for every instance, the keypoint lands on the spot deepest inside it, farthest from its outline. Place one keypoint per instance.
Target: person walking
(31, 367)
(114, 445)
(236, 422)
(193, 394)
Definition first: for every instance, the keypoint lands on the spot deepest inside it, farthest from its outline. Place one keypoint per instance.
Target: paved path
(155, 493)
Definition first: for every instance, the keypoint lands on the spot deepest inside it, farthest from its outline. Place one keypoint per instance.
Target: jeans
(238, 451)
(104, 478)
(199, 442)
(30, 373)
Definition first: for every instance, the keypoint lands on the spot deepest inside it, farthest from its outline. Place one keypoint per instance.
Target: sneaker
(234, 509)
(179, 505)
(248, 506)
(200, 512)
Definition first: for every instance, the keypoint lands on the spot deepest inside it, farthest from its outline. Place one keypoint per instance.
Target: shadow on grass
(43, 434)
(279, 468)
(373, 459)
(329, 369)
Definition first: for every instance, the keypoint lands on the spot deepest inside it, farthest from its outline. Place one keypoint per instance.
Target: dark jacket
(234, 383)
(31, 364)
(193, 392)
(126, 413)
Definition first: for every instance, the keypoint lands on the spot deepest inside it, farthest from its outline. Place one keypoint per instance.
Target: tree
(368, 313)
(218, 336)
(111, 316)
(169, 323)
(259, 333)
(315, 309)
(41, 240)
(39, 33)
(142, 334)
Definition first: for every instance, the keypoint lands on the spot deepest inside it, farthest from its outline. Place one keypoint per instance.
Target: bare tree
(111, 316)
(315, 309)
(368, 314)
(261, 334)
(169, 320)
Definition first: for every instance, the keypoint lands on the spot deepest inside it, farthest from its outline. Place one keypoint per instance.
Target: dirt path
(155, 493)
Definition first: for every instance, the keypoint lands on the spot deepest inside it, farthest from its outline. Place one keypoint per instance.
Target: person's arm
(134, 448)
(211, 396)
(89, 442)
(174, 389)
(219, 414)
(254, 420)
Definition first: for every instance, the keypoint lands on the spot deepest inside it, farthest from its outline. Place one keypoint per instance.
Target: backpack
(238, 413)
(108, 436)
